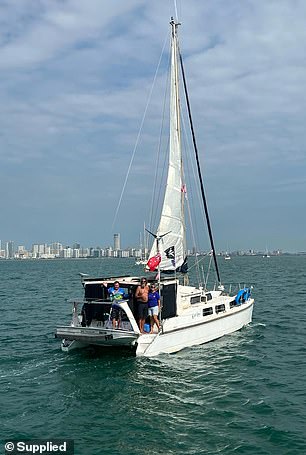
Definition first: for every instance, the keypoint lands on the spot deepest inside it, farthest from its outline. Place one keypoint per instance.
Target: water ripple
(242, 394)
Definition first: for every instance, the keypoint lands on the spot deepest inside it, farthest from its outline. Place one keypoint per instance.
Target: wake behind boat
(189, 315)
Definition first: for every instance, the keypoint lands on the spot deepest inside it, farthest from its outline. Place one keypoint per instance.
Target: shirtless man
(141, 295)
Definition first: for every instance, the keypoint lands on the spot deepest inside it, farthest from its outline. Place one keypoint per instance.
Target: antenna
(175, 8)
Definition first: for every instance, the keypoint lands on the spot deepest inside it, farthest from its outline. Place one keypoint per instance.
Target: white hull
(170, 340)
(195, 324)
(175, 339)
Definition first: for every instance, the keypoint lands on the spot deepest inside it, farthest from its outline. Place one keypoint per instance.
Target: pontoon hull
(84, 336)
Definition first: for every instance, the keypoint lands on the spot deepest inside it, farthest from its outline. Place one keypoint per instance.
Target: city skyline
(8, 250)
(76, 77)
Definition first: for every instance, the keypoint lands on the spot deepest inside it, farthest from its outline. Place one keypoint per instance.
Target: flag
(153, 262)
(170, 254)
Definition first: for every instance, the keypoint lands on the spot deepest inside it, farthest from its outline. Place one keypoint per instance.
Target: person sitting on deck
(116, 293)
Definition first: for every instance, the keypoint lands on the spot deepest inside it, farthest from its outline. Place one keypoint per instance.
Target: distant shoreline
(233, 255)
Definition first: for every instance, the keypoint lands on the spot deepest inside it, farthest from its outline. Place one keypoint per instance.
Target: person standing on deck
(116, 293)
(141, 296)
(153, 306)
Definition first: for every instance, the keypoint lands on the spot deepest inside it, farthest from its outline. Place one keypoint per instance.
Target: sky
(75, 80)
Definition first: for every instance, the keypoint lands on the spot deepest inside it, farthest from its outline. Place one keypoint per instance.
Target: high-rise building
(116, 242)
(56, 248)
(9, 249)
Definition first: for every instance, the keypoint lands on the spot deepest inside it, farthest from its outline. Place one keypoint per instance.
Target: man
(116, 293)
(141, 295)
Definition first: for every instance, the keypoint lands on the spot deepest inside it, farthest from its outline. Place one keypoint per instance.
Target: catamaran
(189, 315)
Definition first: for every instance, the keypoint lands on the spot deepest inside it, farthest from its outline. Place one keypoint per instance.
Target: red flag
(153, 262)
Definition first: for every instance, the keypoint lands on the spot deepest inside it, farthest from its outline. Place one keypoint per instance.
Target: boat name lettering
(196, 315)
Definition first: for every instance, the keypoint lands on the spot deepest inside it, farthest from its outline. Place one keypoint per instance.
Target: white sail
(172, 223)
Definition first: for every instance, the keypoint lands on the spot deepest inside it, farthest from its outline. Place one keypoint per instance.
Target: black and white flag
(170, 254)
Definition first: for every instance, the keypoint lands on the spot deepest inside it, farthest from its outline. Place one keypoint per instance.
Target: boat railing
(95, 301)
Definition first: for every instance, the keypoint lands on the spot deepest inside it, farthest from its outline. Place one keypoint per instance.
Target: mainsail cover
(172, 221)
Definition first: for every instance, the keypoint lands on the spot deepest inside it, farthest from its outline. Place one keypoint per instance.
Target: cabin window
(95, 292)
(220, 308)
(207, 311)
(208, 296)
(195, 299)
(204, 298)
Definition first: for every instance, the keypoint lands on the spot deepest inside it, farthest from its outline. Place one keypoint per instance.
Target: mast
(172, 221)
(200, 174)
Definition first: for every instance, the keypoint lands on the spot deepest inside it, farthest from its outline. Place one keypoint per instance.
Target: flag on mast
(153, 262)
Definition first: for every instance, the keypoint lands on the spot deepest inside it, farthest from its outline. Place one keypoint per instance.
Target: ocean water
(241, 394)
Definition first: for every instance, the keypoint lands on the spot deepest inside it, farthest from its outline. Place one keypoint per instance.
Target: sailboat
(189, 315)
(266, 254)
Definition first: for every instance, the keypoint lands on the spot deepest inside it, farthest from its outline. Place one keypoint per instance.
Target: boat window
(95, 292)
(195, 299)
(207, 311)
(233, 303)
(220, 308)
(209, 296)
(204, 298)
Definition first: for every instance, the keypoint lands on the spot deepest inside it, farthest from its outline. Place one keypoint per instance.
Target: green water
(242, 394)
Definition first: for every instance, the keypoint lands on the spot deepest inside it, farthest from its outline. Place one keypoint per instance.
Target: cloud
(76, 77)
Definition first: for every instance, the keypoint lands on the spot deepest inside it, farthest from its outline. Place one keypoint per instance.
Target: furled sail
(171, 229)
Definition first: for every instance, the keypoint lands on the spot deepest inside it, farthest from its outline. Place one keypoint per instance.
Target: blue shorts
(153, 311)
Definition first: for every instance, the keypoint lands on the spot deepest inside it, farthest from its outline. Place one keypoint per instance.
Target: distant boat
(141, 261)
(189, 315)
(227, 257)
(266, 255)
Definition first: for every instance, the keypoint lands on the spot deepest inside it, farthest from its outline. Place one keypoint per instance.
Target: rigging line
(138, 135)
(190, 167)
(199, 172)
(194, 240)
(194, 175)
